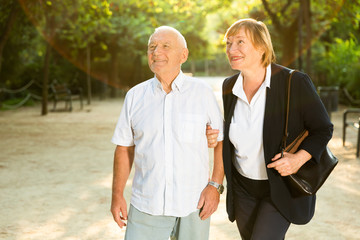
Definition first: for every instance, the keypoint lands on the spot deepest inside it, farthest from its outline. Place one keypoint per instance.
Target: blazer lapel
(269, 108)
(274, 111)
(232, 106)
(229, 105)
(230, 99)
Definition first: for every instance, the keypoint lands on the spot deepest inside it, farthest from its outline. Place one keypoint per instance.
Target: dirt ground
(56, 173)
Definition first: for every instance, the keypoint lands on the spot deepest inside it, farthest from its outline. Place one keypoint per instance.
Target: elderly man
(161, 130)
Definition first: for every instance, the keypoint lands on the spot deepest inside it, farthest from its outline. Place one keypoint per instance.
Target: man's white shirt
(169, 133)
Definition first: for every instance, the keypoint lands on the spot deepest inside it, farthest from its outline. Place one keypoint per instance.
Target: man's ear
(184, 55)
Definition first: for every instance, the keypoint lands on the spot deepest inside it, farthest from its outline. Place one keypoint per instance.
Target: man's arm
(210, 197)
(123, 160)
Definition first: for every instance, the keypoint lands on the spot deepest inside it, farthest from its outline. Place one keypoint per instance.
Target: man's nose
(156, 50)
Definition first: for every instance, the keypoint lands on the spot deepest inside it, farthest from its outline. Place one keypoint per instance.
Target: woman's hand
(290, 163)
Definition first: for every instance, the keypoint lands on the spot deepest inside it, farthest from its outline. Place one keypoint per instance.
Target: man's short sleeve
(123, 134)
(215, 116)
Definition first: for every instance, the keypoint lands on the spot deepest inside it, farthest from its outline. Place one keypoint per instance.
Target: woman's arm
(315, 120)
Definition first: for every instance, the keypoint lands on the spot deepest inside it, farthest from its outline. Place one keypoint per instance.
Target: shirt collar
(268, 76)
(176, 85)
(237, 89)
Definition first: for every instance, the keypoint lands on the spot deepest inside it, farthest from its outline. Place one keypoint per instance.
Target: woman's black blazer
(306, 112)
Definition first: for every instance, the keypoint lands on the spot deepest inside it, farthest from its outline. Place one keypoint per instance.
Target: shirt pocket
(192, 128)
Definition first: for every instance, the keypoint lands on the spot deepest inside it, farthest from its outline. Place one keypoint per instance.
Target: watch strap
(219, 187)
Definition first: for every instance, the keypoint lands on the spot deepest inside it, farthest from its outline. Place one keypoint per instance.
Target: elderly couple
(168, 122)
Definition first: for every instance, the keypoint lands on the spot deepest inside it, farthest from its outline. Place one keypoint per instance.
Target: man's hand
(290, 163)
(211, 135)
(119, 210)
(209, 201)
(123, 160)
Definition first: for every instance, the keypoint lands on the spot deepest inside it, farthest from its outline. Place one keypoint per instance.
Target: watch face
(221, 189)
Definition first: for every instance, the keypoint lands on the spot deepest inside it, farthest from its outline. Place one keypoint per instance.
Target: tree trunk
(45, 85)
(300, 36)
(114, 73)
(137, 74)
(6, 33)
(286, 32)
(48, 38)
(288, 48)
(307, 20)
(88, 74)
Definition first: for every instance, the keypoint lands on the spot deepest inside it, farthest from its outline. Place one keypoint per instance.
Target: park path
(56, 173)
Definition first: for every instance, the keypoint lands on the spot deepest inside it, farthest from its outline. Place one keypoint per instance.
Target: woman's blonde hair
(258, 34)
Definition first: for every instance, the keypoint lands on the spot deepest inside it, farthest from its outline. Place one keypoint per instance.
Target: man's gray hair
(180, 36)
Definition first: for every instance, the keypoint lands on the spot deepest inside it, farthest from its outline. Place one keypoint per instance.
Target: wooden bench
(354, 124)
(62, 93)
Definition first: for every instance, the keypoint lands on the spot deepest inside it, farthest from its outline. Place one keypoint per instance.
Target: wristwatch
(219, 187)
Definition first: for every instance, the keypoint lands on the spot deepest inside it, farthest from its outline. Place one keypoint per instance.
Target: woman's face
(241, 52)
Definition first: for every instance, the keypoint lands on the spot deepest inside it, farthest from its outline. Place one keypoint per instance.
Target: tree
(133, 22)
(12, 9)
(337, 53)
(88, 19)
(44, 14)
(285, 23)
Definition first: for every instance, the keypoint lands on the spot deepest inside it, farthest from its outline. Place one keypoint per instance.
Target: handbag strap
(287, 106)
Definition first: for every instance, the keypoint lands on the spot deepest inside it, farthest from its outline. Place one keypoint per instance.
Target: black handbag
(311, 176)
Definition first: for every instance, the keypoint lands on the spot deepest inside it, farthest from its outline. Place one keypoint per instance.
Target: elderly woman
(258, 198)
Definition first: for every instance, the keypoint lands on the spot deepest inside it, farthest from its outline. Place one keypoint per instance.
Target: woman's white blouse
(246, 130)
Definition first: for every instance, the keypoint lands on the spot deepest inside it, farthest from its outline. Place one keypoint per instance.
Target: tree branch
(287, 5)
(273, 16)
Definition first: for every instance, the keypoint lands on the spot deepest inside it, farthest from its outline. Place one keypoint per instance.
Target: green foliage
(5, 8)
(17, 53)
(342, 20)
(336, 53)
(116, 33)
(86, 20)
(341, 63)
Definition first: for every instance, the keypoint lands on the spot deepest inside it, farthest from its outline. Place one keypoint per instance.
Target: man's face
(166, 53)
